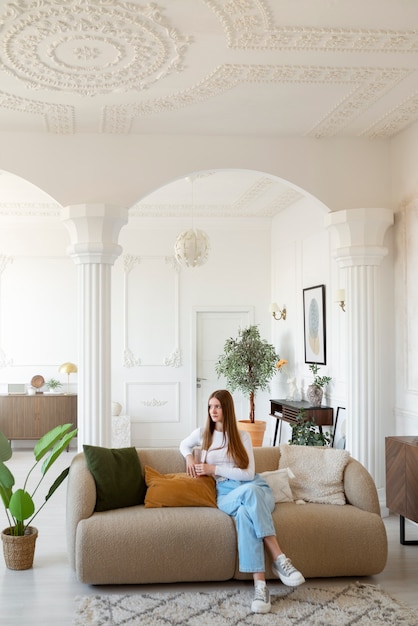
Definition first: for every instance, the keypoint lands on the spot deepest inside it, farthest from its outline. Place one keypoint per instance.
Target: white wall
(341, 173)
(405, 199)
(120, 170)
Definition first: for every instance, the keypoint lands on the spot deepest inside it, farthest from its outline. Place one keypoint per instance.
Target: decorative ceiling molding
(88, 47)
(368, 84)
(248, 24)
(56, 118)
(398, 118)
(29, 209)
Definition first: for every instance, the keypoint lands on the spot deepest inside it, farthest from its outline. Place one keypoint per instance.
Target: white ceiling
(306, 68)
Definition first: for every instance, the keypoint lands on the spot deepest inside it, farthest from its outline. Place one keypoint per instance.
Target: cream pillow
(278, 481)
(318, 472)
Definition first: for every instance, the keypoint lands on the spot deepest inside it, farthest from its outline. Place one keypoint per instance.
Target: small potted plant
(307, 433)
(20, 537)
(53, 385)
(315, 390)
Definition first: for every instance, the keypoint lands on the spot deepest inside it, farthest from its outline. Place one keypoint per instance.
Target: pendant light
(192, 246)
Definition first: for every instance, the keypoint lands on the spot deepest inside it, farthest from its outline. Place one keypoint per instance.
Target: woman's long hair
(236, 448)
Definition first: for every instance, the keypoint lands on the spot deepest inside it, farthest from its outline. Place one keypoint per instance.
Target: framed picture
(339, 434)
(314, 324)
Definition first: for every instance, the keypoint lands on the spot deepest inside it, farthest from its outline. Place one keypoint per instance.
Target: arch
(220, 193)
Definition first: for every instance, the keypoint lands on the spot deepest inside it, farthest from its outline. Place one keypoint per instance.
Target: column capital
(360, 234)
(94, 231)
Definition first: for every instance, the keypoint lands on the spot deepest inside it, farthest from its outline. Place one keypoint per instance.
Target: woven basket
(19, 551)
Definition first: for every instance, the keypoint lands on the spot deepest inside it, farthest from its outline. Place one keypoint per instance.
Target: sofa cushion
(118, 476)
(164, 490)
(278, 480)
(318, 472)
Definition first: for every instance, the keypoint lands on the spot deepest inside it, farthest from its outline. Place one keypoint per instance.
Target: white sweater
(218, 454)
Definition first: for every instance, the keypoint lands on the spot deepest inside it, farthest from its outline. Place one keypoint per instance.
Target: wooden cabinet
(30, 417)
(402, 480)
(288, 411)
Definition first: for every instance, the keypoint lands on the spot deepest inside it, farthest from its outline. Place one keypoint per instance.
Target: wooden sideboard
(402, 480)
(288, 411)
(30, 417)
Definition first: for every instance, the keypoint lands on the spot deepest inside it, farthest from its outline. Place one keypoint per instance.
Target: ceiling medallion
(88, 47)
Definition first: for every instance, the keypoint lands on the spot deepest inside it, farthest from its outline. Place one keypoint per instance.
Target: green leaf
(6, 477)
(5, 495)
(48, 441)
(5, 448)
(57, 483)
(21, 505)
(58, 450)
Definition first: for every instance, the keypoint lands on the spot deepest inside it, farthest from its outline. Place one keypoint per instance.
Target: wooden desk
(288, 411)
(402, 480)
(30, 417)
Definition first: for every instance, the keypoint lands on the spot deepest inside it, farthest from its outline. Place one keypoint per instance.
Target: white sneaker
(261, 602)
(287, 572)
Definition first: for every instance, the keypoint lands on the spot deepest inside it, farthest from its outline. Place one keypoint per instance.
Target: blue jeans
(251, 504)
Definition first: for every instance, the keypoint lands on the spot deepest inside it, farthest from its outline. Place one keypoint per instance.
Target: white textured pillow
(278, 481)
(318, 472)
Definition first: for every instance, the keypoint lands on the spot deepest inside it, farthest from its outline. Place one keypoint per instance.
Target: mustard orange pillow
(165, 490)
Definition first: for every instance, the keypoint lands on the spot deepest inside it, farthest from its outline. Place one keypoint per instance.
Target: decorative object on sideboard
(277, 313)
(248, 364)
(340, 298)
(53, 385)
(37, 382)
(19, 503)
(192, 246)
(315, 390)
(68, 368)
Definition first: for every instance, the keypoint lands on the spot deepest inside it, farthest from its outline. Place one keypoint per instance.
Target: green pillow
(118, 476)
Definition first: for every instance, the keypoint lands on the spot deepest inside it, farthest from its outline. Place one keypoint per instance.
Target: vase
(314, 395)
(19, 551)
(116, 408)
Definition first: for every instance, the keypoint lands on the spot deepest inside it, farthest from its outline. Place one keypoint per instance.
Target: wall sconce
(276, 312)
(340, 298)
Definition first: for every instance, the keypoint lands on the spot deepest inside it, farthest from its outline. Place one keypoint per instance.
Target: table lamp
(68, 368)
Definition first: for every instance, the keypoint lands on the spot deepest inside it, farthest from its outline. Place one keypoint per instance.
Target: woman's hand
(204, 469)
(190, 466)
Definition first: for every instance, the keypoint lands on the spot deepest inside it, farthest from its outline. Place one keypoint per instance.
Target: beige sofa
(138, 545)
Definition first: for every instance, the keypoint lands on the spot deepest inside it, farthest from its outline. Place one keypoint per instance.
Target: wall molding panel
(153, 402)
(151, 311)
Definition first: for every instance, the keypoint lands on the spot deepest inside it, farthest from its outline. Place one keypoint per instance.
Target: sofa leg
(405, 542)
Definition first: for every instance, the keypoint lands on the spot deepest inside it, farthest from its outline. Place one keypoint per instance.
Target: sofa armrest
(81, 500)
(359, 487)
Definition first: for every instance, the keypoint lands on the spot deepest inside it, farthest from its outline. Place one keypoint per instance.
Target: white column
(94, 230)
(360, 234)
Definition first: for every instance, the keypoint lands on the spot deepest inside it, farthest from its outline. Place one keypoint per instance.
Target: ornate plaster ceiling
(315, 68)
(307, 68)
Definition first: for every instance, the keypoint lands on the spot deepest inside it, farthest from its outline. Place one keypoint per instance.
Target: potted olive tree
(248, 363)
(20, 537)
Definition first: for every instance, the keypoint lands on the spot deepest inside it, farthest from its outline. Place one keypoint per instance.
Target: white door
(212, 328)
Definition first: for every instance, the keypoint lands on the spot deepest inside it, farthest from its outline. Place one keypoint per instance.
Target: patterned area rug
(359, 604)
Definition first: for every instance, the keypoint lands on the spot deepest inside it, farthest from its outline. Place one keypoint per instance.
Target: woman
(227, 454)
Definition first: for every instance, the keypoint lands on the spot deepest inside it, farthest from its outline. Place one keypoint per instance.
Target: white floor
(45, 594)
